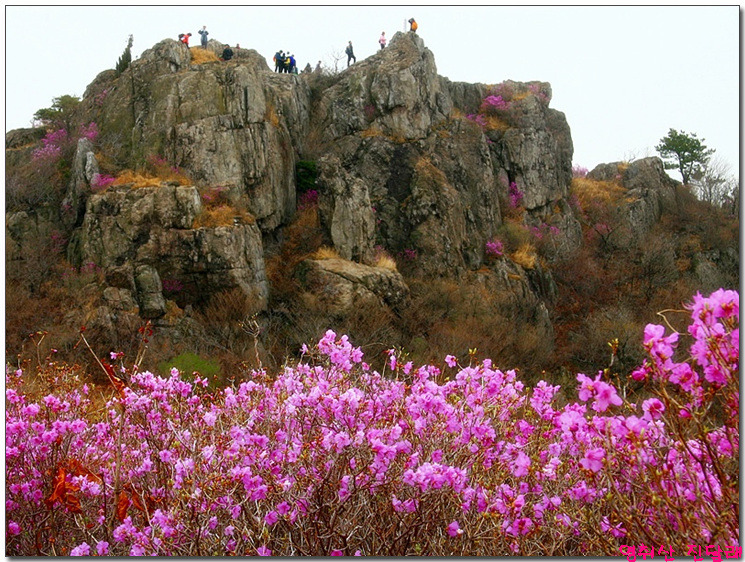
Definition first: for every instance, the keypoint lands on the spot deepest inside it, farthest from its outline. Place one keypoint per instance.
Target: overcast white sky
(623, 75)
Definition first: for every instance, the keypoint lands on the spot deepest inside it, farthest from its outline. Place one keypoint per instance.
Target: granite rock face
(141, 237)
(343, 285)
(649, 192)
(402, 166)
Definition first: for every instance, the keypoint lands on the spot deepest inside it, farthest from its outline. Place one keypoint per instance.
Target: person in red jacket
(184, 38)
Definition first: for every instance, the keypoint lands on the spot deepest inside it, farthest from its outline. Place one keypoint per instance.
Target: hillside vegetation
(513, 356)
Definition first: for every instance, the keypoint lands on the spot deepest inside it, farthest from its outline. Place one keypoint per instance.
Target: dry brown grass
(589, 191)
(426, 170)
(138, 179)
(325, 253)
(145, 179)
(525, 256)
(494, 123)
(384, 261)
(222, 215)
(201, 56)
(372, 131)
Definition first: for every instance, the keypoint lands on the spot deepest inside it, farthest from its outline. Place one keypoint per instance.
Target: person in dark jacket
(227, 53)
(279, 61)
(350, 53)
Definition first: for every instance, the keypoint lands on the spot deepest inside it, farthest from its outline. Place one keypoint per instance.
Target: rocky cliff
(408, 163)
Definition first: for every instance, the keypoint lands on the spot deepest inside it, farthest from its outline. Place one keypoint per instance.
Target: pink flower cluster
(494, 248)
(89, 131)
(330, 457)
(515, 195)
(102, 181)
(51, 145)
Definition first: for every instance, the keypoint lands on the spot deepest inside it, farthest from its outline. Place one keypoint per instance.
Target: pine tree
(123, 63)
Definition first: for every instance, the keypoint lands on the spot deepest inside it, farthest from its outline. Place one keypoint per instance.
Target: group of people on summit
(285, 62)
(227, 52)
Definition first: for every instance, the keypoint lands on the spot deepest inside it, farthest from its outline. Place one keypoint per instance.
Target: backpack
(414, 26)
(348, 50)
(180, 36)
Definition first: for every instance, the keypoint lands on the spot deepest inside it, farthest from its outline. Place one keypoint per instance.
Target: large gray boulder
(344, 285)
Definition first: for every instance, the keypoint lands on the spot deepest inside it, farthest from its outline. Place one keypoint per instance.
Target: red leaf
(122, 505)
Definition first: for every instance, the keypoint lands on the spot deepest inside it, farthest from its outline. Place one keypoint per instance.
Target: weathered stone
(149, 292)
(223, 124)
(118, 299)
(85, 172)
(343, 285)
(126, 229)
(650, 192)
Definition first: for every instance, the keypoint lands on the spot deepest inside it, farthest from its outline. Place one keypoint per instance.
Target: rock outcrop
(402, 165)
(649, 192)
(343, 285)
(142, 236)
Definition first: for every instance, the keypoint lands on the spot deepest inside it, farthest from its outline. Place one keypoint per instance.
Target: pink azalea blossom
(454, 529)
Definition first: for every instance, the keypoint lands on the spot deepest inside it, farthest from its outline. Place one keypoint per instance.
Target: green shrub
(187, 363)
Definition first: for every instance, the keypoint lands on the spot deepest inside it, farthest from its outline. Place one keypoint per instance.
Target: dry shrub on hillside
(302, 237)
(590, 191)
(222, 318)
(525, 256)
(201, 56)
(453, 317)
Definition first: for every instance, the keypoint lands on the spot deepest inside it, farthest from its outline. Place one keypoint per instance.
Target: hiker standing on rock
(382, 41)
(350, 53)
(279, 61)
(204, 33)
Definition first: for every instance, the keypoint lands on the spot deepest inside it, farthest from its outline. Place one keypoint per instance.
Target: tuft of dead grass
(270, 114)
(494, 123)
(145, 179)
(325, 253)
(525, 256)
(201, 56)
(594, 191)
(384, 261)
(138, 179)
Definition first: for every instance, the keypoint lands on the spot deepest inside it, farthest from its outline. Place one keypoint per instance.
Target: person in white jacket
(204, 33)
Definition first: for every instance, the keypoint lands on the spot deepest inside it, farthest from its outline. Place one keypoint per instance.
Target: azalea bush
(330, 457)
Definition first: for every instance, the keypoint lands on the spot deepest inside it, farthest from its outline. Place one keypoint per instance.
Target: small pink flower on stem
(454, 529)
